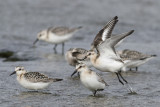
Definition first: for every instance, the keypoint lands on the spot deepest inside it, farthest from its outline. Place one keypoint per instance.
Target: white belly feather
(91, 82)
(108, 65)
(58, 39)
(31, 85)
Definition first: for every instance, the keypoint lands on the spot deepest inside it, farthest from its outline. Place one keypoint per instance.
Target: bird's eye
(80, 66)
(40, 35)
(89, 54)
(20, 69)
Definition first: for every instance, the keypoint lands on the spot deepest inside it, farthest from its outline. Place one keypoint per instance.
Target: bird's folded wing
(133, 55)
(59, 30)
(100, 79)
(36, 77)
(78, 55)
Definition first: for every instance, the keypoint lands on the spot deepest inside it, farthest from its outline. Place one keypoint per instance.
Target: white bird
(106, 58)
(90, 79)
(33, 80)
(133, 59)
(56, 36)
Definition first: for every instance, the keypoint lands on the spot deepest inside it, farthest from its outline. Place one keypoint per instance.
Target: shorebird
(33, 80)
(56, 36)
(106, 58)
(133, 59)
(90, 79)
(75, 56)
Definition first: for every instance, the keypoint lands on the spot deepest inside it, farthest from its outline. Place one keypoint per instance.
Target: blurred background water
(21, 20)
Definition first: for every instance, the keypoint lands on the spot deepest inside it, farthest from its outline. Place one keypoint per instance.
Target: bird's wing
(63, 30)
(105, 32)
(81, 50)
(100, 79)
(107, 47)
(80, 53)
(133, 55)
(59, 30)
(37, 77)
(119, 41)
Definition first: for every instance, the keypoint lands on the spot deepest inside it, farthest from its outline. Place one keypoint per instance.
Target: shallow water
(21, 20)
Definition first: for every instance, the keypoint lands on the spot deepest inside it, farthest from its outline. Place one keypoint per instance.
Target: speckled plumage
(133, 55)
(37, 77)
(80, 50)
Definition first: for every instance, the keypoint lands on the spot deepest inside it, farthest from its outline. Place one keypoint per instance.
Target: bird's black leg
(119, 79)
(129, 87)
(54, 48)
(136, 68)
(78, 74)
(122, 77)
(130, 69)
(63, 48)
(94, 93)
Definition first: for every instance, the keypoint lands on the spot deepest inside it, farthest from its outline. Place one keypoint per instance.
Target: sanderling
(106, 58)
(90, 79)
(33, 80)
(133, 59)
(56, 36)
(75, 56)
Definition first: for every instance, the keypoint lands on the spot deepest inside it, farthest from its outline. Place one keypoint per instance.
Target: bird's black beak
(12, 73)
(74, 72)
(35, 41)
(85, 57)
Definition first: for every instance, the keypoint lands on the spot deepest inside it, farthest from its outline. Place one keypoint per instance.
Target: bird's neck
(86, 72)
(94, 58)
(21, 73)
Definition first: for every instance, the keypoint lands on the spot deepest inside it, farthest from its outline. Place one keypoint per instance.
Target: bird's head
(18, 70)
(41, 36)
(80, 68)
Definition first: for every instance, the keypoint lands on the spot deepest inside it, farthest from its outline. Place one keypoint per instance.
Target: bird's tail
(149, 57)
(57, 79)
(77, 28)
(153, 55)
